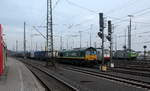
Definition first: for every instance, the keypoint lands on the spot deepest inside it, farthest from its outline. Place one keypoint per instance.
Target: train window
(90, 52)
(106, 52)
(93, 52)
(87, 52)
(73, 54)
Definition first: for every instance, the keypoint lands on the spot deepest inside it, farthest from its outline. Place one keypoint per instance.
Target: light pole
(33, 35)
(67, 44)
(16, 45)
(36, 46)
(95, 44)
(24, 42)
(87, 44)
(80, 32)
(116, 42)
(129, 33)
(125, 39)
(61, 43)
(91, 36)
(73, 36)
(90, 40)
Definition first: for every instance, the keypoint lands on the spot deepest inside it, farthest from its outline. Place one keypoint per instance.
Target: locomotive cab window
(90, 52)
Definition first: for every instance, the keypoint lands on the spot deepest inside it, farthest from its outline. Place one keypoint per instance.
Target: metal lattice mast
(129, 33)
(49, 28)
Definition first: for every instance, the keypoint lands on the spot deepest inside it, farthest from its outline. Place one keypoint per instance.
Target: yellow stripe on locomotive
(91, 57)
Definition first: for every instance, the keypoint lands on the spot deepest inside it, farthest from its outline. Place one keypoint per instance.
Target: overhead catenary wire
(39, 32)
(123, 19)
(143, 23)
(143, 10)
(92, 11)
(120, 20)
(56, 4)
(135, 34)
(143, 14)
(87, 9)
(76, 5)
(84, 8)
(128, 3)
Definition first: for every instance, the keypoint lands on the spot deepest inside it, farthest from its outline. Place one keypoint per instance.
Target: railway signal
(109, 31)
(101, 33)
(101, 22)
(109, 37)
(109, 28)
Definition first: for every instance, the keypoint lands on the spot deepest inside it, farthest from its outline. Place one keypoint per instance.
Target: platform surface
(19, 78)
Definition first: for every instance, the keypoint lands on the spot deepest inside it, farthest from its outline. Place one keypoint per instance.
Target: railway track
(131, 71)
(137, 83)
(143, 64)
(50, 81)
(136, 68)
(139, 68)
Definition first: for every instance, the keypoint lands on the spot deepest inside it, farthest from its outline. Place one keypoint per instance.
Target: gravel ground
(90, 82)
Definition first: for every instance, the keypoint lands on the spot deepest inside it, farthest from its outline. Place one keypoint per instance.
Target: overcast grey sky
(71, 16)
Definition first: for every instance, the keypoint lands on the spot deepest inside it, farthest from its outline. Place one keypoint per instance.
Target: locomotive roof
(79, 49)
(101, 49)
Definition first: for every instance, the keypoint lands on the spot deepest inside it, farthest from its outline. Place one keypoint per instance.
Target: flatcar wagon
(78, 56)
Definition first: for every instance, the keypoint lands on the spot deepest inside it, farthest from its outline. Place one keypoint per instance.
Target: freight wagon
(42, 55)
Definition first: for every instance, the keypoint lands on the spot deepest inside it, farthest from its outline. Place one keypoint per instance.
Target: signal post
(109, 37)
(103, 67)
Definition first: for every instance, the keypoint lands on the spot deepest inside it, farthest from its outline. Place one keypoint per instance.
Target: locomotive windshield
(106, 52)
(90, 52)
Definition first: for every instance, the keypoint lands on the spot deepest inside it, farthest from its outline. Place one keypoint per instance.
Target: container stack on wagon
(42, 55)
(3, 52)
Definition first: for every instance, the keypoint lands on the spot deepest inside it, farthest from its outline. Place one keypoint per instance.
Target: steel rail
(53, 76)
(131, 81)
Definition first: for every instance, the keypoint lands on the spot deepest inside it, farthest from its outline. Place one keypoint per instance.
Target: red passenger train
(2, 52)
